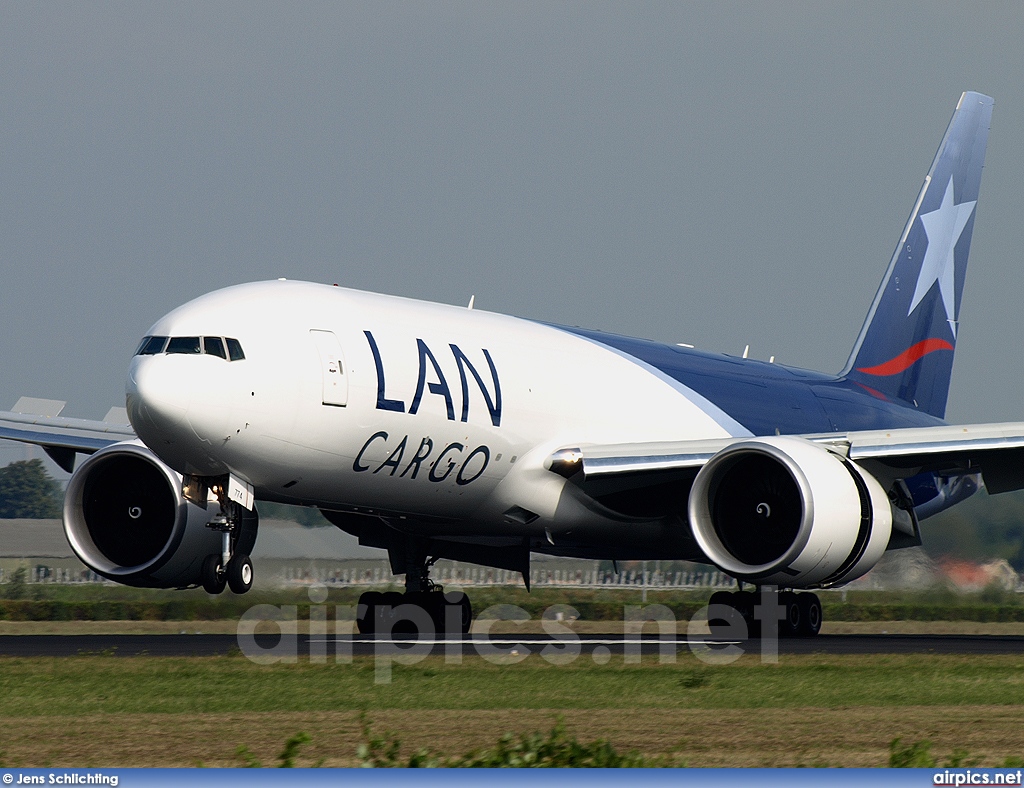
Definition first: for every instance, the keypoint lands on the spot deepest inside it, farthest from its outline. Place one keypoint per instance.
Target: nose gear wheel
(232, 568)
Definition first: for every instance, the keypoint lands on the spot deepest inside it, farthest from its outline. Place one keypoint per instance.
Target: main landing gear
(231, 567)
(423, 609)
(801, 613)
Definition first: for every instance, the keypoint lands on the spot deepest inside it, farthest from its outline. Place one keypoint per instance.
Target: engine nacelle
(126, 519)
(787, 512)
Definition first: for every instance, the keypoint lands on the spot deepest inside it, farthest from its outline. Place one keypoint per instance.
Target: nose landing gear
(232, 567)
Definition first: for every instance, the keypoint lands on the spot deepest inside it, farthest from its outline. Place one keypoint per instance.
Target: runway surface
(598, 647)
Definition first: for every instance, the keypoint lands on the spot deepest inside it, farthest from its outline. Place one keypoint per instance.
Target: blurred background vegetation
(27, 491)
(983, 528)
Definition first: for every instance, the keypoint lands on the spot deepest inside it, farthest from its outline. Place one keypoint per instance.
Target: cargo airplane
(437, 431)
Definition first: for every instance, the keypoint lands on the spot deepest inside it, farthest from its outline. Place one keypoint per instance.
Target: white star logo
(943, 227)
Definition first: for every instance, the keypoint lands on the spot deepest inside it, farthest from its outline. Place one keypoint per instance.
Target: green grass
(556, 749)
(852, 710)
(103, 684)
(46, 602)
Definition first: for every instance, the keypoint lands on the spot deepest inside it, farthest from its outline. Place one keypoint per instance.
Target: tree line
(27, 491)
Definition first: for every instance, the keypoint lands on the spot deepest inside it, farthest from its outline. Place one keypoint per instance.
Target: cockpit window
(184, 345)
(235, 349)
(214, 346)
(150, 346)
(211, 346)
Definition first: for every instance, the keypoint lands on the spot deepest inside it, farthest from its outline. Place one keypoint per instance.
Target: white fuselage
(431, 410)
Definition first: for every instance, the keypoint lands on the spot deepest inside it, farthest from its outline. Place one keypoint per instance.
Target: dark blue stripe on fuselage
(769, 399)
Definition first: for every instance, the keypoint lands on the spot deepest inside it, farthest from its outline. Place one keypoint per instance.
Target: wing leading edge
(62, 438)
(994, 450)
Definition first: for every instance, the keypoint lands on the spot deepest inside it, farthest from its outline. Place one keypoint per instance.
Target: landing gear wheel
(793, 624)
(385, 616)
(719, 599)
(419, 613)
(213, 579)
(810, 606)
(239, 573)
(367, 618)
(745, 603)
(433, 603)
(456, 613)
(731, 610)
(467, 614)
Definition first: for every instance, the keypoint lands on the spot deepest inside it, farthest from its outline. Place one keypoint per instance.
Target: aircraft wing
(38, 421)
(994, 450)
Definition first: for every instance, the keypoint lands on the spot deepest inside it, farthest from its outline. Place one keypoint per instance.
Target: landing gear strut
(424, 608)
(802, 613)
(232, 567)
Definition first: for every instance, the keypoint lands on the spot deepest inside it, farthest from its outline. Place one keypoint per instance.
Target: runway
(599, 648)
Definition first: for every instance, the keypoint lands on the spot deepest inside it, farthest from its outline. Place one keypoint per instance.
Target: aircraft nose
(157, 402)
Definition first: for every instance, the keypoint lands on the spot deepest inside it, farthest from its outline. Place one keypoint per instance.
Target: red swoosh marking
(908, 357)
(873, 392)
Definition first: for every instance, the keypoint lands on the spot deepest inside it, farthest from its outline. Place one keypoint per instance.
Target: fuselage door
(332, 367)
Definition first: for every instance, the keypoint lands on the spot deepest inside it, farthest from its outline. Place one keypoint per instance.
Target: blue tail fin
(905, 349)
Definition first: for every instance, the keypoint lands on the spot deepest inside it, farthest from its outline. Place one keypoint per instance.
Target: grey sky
(714, 173)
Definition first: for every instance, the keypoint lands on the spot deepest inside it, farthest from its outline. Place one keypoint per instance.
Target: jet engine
(787, 512)
(127, 519)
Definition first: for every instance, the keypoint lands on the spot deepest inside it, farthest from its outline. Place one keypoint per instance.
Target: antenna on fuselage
(472, 300)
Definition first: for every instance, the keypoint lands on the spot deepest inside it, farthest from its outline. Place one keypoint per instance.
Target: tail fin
(905, 349)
